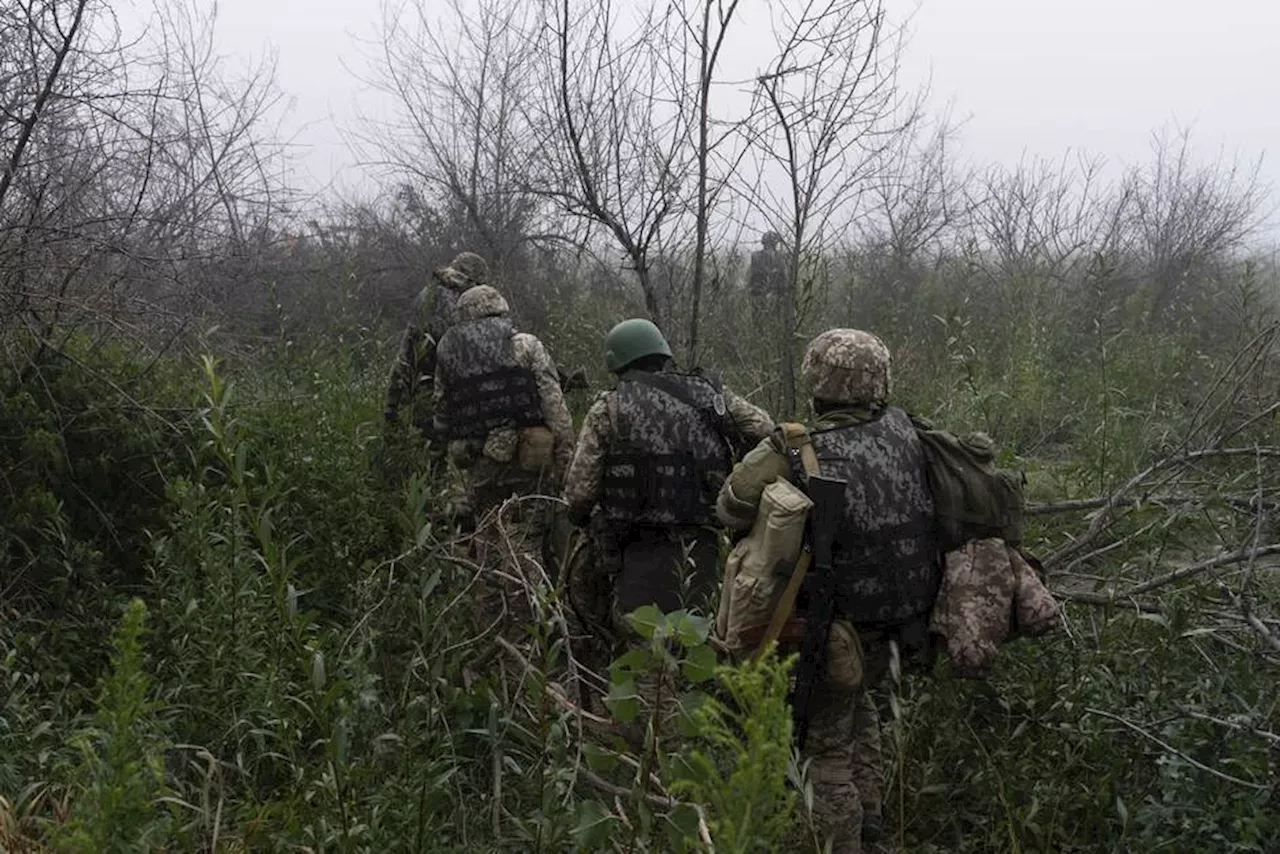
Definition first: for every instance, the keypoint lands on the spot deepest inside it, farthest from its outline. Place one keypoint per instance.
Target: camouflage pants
(621, 571)
(624, 570)
(671, 568)
(844, 739)
(507, 543)
(843, 747)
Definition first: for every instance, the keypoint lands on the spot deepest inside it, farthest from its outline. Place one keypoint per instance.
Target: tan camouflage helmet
(847, 366)
(465, 271)
(472, 266)
(481, 301)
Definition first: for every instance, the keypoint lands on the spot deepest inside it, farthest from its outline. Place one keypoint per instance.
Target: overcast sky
(1026, 77)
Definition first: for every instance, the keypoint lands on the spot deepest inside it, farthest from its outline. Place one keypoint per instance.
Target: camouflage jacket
(434, 311)
(528, 354)
(585, 484)
(886, 557)
(989, 592)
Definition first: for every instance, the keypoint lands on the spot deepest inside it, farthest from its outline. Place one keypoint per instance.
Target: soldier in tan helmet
(499, 405)
(885, 562)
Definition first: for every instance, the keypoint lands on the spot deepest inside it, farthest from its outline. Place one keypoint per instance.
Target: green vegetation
(303, 674)
(236, 613)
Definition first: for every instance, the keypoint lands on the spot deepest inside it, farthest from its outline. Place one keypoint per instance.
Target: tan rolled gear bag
(534, 449)
(765, 571)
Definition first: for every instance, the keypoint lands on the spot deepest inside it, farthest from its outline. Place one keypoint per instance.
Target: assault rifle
(825, 518)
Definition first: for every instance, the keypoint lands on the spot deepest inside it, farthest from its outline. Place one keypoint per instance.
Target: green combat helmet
(633, 339)
(482, 301)
(847, 366)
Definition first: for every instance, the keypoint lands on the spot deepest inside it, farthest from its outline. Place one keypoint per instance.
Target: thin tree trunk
(37, 109)
(789, 335)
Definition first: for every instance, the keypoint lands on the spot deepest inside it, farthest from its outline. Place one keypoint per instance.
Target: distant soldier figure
(651, 457)
(886, 562)
(434, 311)
(767, 280)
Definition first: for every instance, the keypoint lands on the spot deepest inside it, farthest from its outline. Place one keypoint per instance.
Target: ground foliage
(235, 617)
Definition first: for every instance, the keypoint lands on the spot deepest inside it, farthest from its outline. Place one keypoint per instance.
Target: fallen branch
(1081, 504)
(1111, 595)
(1176, 752)
(1109, 599)
(555, 696)
(1203, 566)
(663, 801)
(1118, 498)
(1260, 733)
(1257, 625)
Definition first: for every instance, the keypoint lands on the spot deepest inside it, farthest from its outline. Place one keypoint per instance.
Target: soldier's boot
(873, 836)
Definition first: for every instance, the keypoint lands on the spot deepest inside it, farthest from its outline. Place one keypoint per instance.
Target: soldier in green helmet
(651, 456)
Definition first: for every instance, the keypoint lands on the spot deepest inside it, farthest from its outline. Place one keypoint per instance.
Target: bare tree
(836, 105)
(707, 26)
(1037, 219)
(460, 135)
(130, 167)
(919, 205)
(1184, 215)
(618, 129)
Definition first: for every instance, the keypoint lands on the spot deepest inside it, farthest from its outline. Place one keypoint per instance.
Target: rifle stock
(825, 518)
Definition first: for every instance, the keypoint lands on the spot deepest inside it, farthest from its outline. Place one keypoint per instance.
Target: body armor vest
(886, 555)
(484, 386)
(668, 457)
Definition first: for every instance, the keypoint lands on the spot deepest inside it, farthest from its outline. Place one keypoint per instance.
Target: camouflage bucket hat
(451, 278)
(465, 271)
(847, 366)
(481, 301)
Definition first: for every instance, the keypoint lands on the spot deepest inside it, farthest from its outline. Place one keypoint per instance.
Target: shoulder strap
(674, 389)
(795, 439)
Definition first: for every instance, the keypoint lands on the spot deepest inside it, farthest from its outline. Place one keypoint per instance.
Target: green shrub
(118, 786)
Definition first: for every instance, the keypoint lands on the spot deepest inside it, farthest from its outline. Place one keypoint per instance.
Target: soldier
(499, 405)
(767, 282)
(434, 311)
(886, 561)
(767, 275)
(651, 457)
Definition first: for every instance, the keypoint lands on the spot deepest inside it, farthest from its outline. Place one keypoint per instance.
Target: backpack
(764, 572)
(973, 498)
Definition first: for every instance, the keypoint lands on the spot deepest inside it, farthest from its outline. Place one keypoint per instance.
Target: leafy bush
(310, 676)
(116, 799)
